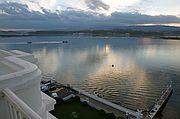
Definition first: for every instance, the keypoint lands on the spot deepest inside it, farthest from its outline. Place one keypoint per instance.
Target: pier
(158, 106)
(107, 106)
(100, 103)
(118, 110)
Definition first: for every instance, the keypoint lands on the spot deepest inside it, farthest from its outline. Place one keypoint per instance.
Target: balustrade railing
(17, 108)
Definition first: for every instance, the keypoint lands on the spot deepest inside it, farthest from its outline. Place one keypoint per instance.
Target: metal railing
(17, 108)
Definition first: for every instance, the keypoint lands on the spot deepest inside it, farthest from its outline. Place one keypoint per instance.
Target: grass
(78, 110)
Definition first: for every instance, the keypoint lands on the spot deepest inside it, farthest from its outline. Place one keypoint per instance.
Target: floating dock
(159, 105)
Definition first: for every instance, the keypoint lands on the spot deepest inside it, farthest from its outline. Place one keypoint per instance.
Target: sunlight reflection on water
(141, 67)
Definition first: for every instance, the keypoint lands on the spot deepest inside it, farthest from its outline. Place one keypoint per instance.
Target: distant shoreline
(173, 35)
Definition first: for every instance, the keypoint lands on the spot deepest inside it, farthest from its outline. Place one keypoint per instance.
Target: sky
(100, 12)
(150, 7)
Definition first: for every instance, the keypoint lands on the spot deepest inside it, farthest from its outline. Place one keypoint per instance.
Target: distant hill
(154, 28)
(153, 32)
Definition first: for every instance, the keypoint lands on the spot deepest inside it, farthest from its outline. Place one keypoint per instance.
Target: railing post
(10, 109)
(13, 113)
(19, 116)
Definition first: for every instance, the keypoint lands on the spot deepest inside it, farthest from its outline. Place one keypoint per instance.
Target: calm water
(142, 67)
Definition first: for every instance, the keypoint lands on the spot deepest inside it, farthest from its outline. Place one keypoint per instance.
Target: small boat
(64, 41)
(29, 42)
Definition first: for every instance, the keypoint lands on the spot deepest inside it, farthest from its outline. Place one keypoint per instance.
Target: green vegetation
(74, 109)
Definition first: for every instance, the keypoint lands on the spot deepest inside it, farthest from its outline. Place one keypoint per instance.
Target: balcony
(20, 94)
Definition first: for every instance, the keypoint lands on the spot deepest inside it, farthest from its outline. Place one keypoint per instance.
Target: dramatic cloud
(96, 5)
(14, 15)
(150, 7)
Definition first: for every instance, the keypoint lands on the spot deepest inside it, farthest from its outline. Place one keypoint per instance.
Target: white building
(20, 94)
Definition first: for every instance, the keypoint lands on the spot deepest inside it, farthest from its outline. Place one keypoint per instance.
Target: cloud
(151, 7)
(96, 5)
(16, 15)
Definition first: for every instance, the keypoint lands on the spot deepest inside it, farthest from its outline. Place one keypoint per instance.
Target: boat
(29, 42)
